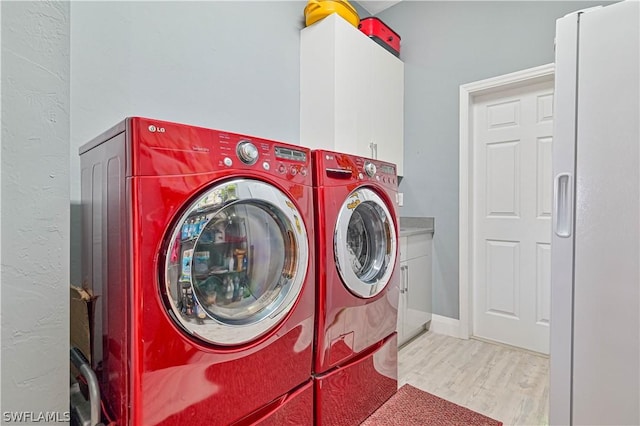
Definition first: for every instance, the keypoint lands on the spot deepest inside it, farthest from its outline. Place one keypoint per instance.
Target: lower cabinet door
(402, 306)
(417, 294)
(415, 304)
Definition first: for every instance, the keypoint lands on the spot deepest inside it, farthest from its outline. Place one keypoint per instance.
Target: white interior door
(511, 208)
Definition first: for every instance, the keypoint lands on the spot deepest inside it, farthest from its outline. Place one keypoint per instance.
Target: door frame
(468, 94)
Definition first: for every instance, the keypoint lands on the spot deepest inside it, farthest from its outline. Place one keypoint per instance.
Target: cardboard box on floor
(82, 307)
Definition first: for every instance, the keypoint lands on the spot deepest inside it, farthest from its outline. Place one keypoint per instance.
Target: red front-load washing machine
(355, 364)
(199, 246)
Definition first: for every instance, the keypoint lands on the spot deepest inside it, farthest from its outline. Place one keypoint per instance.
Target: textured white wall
(0, 217)
(35, 206)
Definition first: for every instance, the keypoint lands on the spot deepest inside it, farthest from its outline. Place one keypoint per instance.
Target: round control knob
(247, 152)
(370, 169)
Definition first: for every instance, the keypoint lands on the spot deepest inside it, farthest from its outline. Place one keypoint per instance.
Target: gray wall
(35, 206)
(444, 45)
(227, 65)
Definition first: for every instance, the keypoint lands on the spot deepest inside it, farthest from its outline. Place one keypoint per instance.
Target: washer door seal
(365, 243)
(236, 262)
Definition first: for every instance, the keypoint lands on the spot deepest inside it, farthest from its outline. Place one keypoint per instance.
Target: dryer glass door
(236, 262)
(365, 243)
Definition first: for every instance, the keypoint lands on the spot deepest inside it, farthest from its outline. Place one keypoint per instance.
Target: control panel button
(247, 152)
(266, 166)
(303, 171)
(227, 161)
(293, 171)
(370, 169)
(282, 169)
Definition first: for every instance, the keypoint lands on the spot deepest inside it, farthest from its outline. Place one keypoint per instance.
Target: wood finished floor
(501, 382)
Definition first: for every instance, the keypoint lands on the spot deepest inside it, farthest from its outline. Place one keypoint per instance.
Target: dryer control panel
(333, 168)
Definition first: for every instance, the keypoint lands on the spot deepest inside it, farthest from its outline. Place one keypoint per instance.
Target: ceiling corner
(376, 6)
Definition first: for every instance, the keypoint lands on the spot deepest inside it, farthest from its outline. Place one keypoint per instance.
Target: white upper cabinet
(351, 93)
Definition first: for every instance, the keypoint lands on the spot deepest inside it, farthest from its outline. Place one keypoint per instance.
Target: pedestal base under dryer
(294, 409)
(350, 393)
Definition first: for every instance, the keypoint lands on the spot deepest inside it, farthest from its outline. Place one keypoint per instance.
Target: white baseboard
(445, 325)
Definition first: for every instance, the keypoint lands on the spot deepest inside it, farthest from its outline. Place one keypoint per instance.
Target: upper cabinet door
(387, 103)
(351, 93)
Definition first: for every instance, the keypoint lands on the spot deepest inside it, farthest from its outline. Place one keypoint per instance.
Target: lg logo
(154, 129)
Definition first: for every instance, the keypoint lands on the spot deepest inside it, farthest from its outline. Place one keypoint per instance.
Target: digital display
(291, 154)
(389, 170)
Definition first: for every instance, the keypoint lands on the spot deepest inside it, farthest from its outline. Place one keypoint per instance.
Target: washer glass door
(236, 262)
(365, 243)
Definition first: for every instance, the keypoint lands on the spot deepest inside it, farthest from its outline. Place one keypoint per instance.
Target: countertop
(416, 225)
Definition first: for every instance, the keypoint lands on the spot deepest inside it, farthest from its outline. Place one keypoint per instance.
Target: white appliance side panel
(563, 147)
(606, 369)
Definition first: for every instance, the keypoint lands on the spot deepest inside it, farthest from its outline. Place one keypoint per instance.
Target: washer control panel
(375, 170)
(336, 168)
(273, 157)
(172, 149)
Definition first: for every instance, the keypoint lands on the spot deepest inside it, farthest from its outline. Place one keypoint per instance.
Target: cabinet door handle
(406, 280)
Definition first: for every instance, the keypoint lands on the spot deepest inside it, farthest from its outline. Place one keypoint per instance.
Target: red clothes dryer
(198, 244)
(355, 364)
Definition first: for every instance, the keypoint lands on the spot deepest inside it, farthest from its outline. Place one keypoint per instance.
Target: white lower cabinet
(415, 307)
